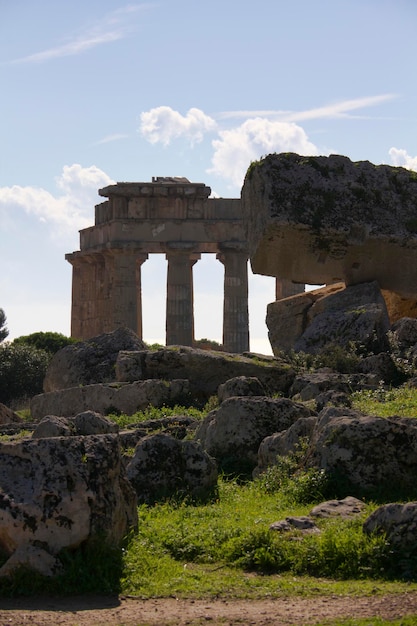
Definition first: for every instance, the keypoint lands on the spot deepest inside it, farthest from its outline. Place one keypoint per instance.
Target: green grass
(401, 401)
(154, 413)
(217, 548)
(225, 548)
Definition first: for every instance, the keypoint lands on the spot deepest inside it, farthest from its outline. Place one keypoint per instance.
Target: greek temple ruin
(169, 216)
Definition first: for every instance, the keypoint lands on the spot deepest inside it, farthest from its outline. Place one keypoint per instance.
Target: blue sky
(106, 90)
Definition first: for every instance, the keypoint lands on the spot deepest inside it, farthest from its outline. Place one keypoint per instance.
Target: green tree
(3, 330)
(22, 371)
(49, 341)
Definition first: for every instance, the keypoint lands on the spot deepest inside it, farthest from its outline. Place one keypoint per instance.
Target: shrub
(295, 484)
(3, 330)
(22, 371)
(49, 341)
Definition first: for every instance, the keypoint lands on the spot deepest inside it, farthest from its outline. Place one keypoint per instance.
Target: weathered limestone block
(7, 416)
(63, 491)
(163, 466)
(89, 362)
(34, 558)
(233, 432)
(107, 398)
(398, 522)
(287, 319)
(302, 524)
(370, 453)
(319, 220)
(309, 322)
(283, 443)
(53, 426)
(308, 385)
(345, 508)
(86, 423)
(240, 386)
(380, 367)
(399, 307)
(403, 339)
(93, 423)
(205, 370)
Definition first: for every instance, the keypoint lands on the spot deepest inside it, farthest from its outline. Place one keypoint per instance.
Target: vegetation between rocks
(226, 547)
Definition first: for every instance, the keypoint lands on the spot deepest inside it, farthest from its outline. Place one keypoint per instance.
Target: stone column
(140, 260)
(78, 271)
(126, 301)
(89, 289)
(180, 295)
(235, 306)
(285, 288)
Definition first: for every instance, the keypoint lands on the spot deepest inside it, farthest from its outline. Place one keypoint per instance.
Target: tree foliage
(22, 370)
(3, 330)
(49, 341)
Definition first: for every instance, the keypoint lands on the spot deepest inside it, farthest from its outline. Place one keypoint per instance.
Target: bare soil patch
(122, 611)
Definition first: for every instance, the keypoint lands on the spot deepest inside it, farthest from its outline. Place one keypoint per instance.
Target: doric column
(235, 305)
(285, 288)
(180, 298)
(126, 302)
(79, 267)
(140, 260)
(89, 294)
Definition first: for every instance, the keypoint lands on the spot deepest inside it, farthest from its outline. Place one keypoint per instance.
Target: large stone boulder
(110, 398)
(346, 508)
(312, 321)
(399, 524)
(308, 385)
(368, 453)
(284, 443)
(233, 432)
(403, 339)
(7, 416)
(240, 386)
(86, 423)
(320, 220)
(398, 306)
(205, 370)
(287, 319)
(62, 492)
(163, 466)
(91, 361)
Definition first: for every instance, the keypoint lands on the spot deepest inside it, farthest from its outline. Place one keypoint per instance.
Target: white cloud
(163, 124)
(112, 27)
(401, 158)
(72, 48)
(66, 213)
(236, 148)
(110, 138)
(333, 110)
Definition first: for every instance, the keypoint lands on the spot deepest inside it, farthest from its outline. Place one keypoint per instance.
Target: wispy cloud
(112, 27)
(333, 110)
(110, 138)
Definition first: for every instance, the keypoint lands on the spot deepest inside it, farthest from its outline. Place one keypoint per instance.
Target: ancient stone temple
(169, 216)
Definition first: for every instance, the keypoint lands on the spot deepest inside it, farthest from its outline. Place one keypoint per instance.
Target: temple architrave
(170, 216)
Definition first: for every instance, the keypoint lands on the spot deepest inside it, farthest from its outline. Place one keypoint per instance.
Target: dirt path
(114, 611)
